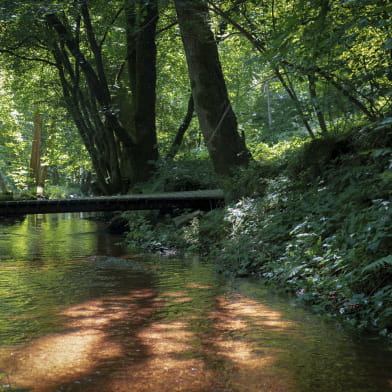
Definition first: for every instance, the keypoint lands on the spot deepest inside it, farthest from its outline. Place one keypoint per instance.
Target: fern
(386, 291)
(295, 271)
(378, 264)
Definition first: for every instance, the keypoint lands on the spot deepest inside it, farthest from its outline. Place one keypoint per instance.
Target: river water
(78, 312)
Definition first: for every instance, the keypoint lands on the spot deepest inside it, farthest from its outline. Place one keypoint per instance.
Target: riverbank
(315, 221)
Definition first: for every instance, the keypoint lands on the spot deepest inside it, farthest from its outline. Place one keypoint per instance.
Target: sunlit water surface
(80, 313)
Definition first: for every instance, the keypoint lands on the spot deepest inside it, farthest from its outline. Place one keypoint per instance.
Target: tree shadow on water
(99, 337)
(142, 342)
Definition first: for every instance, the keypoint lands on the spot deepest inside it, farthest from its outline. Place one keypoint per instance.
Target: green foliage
(183, 175)
(345, 46)
(61, 147)
(154, 232)
(321, 230)
(379, 264)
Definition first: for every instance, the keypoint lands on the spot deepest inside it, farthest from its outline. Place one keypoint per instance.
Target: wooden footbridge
(202, 200)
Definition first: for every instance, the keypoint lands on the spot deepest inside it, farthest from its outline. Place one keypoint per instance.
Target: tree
(141, 22)
(216, 117)
(31, 102)
(315, 47)
(112, 103)
(121, 155)
(36, 179)
(181, 130)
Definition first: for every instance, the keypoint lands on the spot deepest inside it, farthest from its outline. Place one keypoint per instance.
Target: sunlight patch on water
(164, 367)
(220, 362)
(86, 343)
(177, 297)
(253, 364)
(194, 285)
(166, 338)
(59, 358)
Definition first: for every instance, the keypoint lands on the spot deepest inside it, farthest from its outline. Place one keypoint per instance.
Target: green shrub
(183, 175)
(323, 232)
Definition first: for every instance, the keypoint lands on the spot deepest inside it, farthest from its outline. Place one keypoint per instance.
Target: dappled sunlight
(179, 357)
(168, 365)
(143, 342)
(166, 338)
(181, 300)
(161, 374)
(93, 314)
(110, 324)
(177, 297)
(113, 344)
(244, 354)
(174, 294)
(194, 285)
(257, 313)
(253, 363)
(218, 361)
(86, 343)
(59, 358)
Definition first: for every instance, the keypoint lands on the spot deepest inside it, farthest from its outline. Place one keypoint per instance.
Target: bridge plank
(202, 199)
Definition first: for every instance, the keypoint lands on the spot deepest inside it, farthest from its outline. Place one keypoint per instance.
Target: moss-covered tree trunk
(216, 117)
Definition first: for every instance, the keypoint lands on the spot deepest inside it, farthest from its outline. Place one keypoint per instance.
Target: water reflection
(89, 321)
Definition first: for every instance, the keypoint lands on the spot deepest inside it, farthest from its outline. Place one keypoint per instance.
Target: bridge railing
(203, 200)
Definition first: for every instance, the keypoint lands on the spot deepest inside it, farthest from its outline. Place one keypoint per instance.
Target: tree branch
(96, 49)
(168, 27)
(181, 130)
(105, 34)
(26, 58)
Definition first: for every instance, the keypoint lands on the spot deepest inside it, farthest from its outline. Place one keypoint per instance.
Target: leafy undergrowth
(322, 230)
(318, 226)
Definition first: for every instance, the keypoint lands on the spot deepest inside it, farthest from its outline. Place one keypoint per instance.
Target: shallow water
(80, 313)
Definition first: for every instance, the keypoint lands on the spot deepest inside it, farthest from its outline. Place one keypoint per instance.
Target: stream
(80, 312)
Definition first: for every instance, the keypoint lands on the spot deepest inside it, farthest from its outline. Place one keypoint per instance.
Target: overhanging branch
(26, 58)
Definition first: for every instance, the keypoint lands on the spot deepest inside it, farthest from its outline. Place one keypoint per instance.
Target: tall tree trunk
(266, 90)
(316, 106)
(35, 157)
(91, 110)
(122, 153)
(141, 19)
(45, 165)
(216, 117)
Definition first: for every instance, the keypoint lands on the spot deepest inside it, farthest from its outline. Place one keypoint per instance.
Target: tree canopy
(116, 85)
